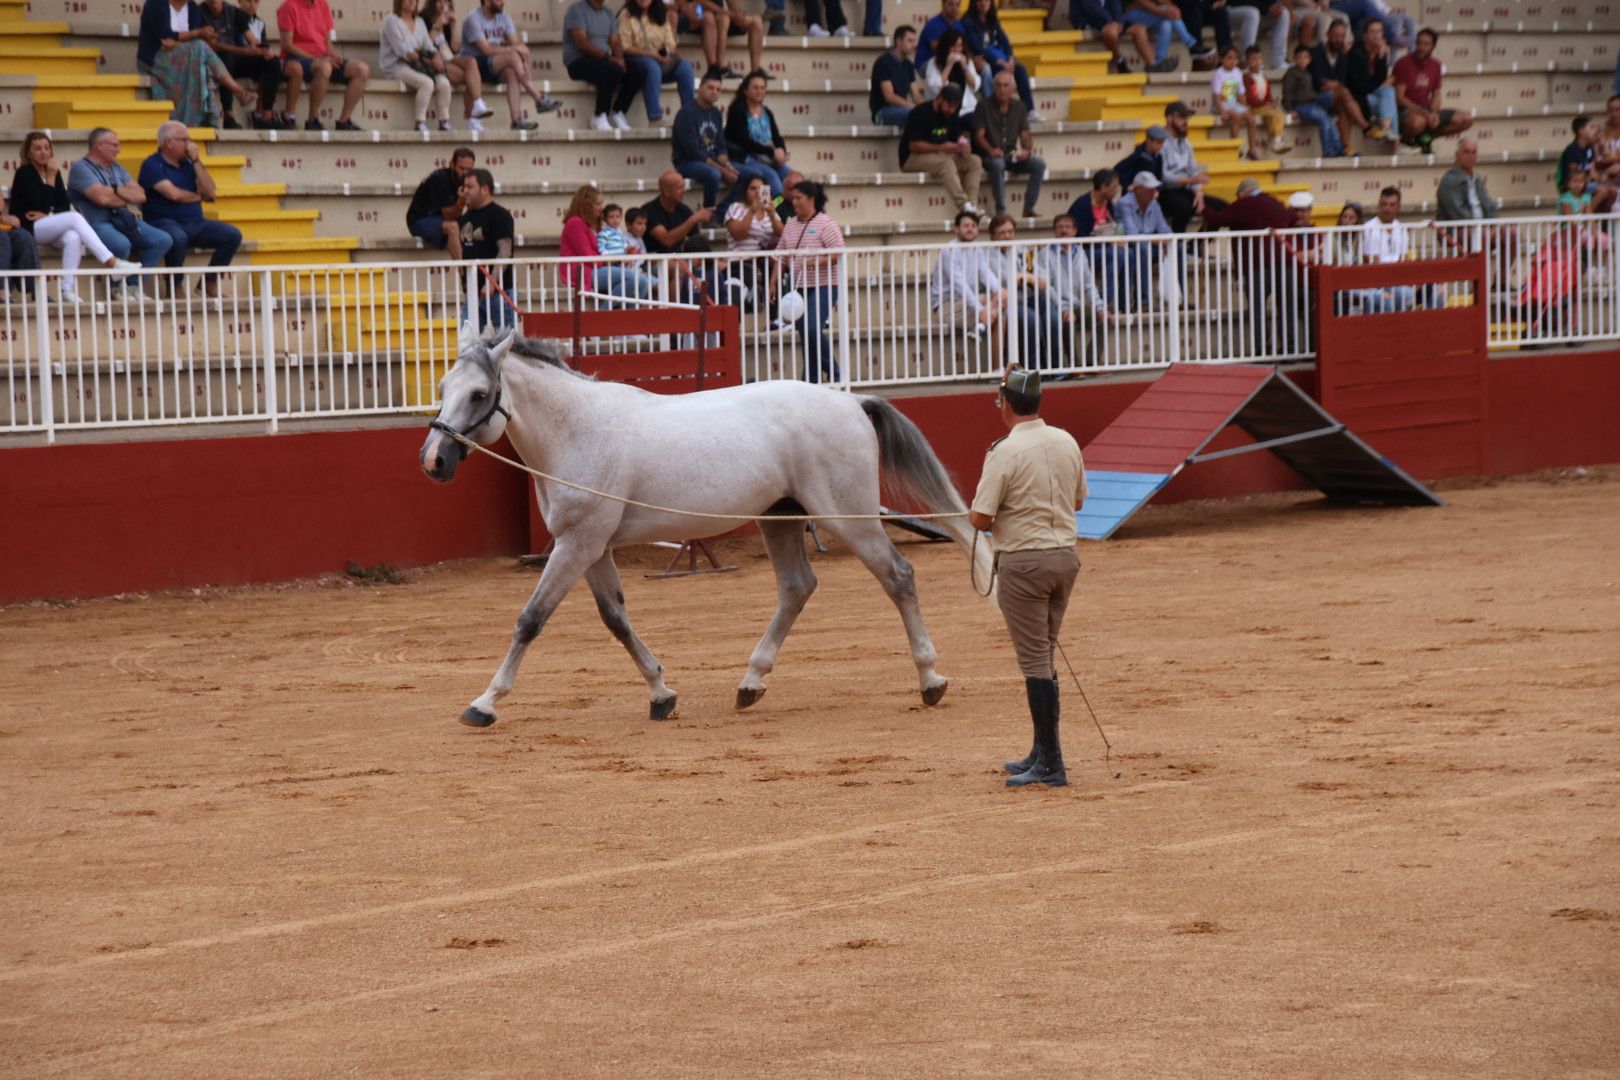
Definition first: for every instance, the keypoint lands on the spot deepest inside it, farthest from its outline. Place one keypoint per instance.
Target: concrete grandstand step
(1334, 180)
(13, 11)
(1490, 87)
(23, 58)
(119, 115)
(276, 224)
(84, 89)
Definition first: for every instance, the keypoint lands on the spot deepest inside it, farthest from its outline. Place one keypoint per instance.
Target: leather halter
(489, 414)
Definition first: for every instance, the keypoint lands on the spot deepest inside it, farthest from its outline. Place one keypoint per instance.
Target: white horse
(768, 447)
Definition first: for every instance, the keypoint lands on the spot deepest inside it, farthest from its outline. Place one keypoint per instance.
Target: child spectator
(1576, 199)
(1581, 155)
(1257, 94)
(1302, 97)
(635, 236)
(1231, 105)
(611, 238)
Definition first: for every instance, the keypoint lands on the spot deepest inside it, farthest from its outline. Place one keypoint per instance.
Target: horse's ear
(501, 346)
(467, 337)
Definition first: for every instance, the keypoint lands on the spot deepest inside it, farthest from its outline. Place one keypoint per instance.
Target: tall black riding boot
(1048, 766)
(1033, 690)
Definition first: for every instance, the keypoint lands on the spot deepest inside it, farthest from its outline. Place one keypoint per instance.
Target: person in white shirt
(1385, 239)
(964, 289)
(1071, 286)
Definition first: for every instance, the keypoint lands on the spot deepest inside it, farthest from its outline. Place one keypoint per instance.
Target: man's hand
(728, 174)
(703, 215)
(1198, 202)
(1068, 315)
(996, 152)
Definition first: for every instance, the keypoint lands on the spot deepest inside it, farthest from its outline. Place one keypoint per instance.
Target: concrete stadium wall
(90, 520)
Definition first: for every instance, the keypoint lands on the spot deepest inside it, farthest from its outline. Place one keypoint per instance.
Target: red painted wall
(89, 520)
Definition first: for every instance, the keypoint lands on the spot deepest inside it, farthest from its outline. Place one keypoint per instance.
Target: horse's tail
(910, 467)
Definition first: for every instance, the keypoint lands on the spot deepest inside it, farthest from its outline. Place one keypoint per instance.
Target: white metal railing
(279, 343)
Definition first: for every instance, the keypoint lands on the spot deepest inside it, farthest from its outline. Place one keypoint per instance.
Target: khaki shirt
(1032, 482)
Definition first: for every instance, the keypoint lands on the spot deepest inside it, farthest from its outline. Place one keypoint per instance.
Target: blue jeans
(492, 310)
(654, 76)
(775, 175)
(893, 115)
(871, 27)
(1398, 29)
(1164, 29)
(812, 330)
(701, 172)
(223, 238)
(154, 243)
(1109, 266)
(1380, 301)
(1328, 131)
(622, 281)
(1381, 106)
(430, 230)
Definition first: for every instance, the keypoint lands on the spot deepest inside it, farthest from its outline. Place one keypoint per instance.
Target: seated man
(176, 186)
(1003, 139)
(435, 211)
(715, 21)
(1384, 239)
(1071, 286)
(895, 86)
(305, 28)
(488, 233)
(1140, 215)
(246, 55)
(107, 196)
(699, 145)
(964, 289)
(1182, 176)
(1107, 19)
(491, 40)
(935, 142)
(1417, 77)
(1039, 326)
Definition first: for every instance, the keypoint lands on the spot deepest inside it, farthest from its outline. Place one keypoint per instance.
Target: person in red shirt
(305, 29)
(1417, 78)
(1265, 268)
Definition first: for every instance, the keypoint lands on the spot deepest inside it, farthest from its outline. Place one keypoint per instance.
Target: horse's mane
(544, 351)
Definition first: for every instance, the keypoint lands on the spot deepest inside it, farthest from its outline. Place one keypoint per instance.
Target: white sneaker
(480, 111)
(474, 124)
(816, 31)
(619, 120)
(71, 298)
(969, 207)
(600, 122)
(124, 266)
(1035, 117)
(421, 125)
(843, 31)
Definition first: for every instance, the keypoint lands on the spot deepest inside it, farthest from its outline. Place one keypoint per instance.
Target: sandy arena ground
(1368, 823)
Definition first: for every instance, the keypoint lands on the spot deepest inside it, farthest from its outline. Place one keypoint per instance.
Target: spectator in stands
(714, 21)
(1147, 157)
(490, 39)
(951, 65)
(1310, 104)
(1345, 249)
(1184, 179)
(1577, 197)
(752, 135)
(1163, 20)
(1312, 17)
(177, 184)
(752, 224)
(405, 53)
(936, 143)
(1231, 104)
(1106, 19)
(1071, 285)
(436, 208)
(1303, 204)
(964, 289)
(40, 207)
(1140, 215)
(635, 237)
(240, 42)
(669, 220)
(1002, 137)
(18, 251)
(1215, 13)
(1367, 76)
(1330, 71)
(618, 237)
(647, 36)
(949, 18)
(986, 40)
(173, 51)
(699, 145)
(1417, 77)
(593, 53)
(488, 233)
(1462, 195)
(1581, 154)
(1262, 265)
(895, 91)
(1097, 215)
(1397, 28)
(802, 251)
(1039, 325)
(1608, 145)
(581, 223)
(1385, 239)
(307, 56)
(1262, 103)
(1252, 17)
(826, 19)
(104, 193)
(440, 16)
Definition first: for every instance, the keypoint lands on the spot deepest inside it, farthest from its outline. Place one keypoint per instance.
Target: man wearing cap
(1139, 215)
(1184, 179)
(1033, 481)
(1260, 262)
(1147, 157)
(935, 142)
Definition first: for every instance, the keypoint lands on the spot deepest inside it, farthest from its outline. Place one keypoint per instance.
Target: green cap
(1023, 381)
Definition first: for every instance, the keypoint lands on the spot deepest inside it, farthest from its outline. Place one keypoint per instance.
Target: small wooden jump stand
(674, 371)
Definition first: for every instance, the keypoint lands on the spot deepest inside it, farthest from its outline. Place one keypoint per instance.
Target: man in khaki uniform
(1034, 479)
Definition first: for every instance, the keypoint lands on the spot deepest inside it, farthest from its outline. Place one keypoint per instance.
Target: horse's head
(471, 405)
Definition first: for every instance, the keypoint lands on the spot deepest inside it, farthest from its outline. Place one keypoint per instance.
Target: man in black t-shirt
(245, 57)
(436, 207)
(935, 142)
(487, 233)
(893, 75)
(669, 220)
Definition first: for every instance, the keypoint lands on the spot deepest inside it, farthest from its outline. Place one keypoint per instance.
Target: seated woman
(986, 40)
(752, 134)
(440, 16)
(647, 33)
(173, 51)
(951, 63)
(580, 224)
(39, 199)
(405, 52)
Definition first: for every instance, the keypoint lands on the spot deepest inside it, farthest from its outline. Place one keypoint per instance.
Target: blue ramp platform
(1167, 428)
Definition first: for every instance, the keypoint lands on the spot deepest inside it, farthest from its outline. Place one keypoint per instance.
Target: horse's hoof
(662, 710)
(476, 717)
(747, 695)
(932, 695)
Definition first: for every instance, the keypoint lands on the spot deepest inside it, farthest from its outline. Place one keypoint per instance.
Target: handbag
(127, 223)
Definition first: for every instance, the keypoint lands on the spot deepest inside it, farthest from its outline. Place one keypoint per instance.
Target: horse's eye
(479, 395)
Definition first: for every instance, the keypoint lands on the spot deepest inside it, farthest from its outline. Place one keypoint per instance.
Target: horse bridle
(489, 414)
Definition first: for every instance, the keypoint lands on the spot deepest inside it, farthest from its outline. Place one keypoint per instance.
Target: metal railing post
(267, 342)
(47, 399)
(844, 307)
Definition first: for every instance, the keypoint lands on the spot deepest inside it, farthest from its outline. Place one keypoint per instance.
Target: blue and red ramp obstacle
(1167, 427)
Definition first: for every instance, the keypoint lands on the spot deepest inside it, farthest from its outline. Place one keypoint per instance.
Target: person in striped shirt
(806, 252)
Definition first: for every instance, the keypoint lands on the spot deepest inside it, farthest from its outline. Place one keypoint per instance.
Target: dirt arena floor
(1368, 822)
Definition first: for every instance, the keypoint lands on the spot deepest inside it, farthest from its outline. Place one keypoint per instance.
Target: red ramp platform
(1167, 428)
